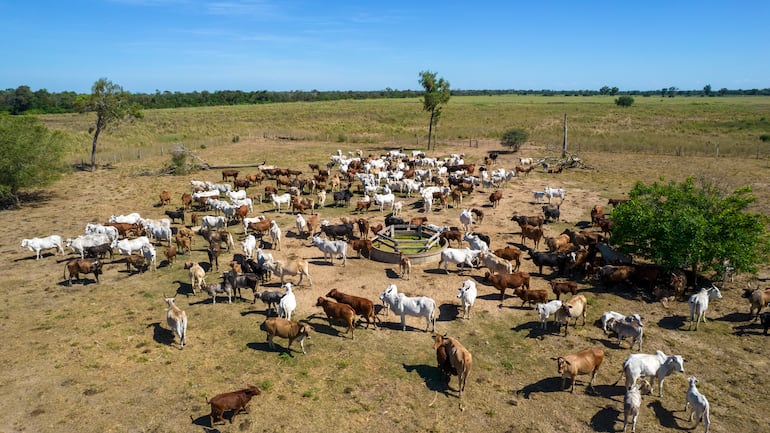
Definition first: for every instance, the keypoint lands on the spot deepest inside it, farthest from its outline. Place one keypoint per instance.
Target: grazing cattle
(544, 311)
(362, 306)
(557, 242)
(495, 198)
(657, 366)
(234, 401)
(633, 330)
(606, 226)
(75, 267)
(137, 262)
(176, 319)
(404, 266)
(301, 225)
(467, 295)
(132, 218)
(37, 245)
(463, 257)
(361, 245)
(235, 282)
(397, 208)
(418, 221)
(554, 192)
(331, 248)
(99, 251)
(159, 232)
(452, 235)
(523, 220)
(313, 223)
(165, 198)
(187, 200)
(597, 213)
(502, 282)
(607, 315)
(758, 299)
(478, 215)
(475, 242)
(610, 274)
(288, 303)
(531, 296)
(334, 231)
(765, 321)
(260, 227)
(632, 403)
(363, 228)
(617, 201)
(213, 252)
(511, 254)
(295, 266)
(197, 275)
(457, 197)
(698, 404)
(466, 219)
(228, 174)
(275, 235)
(531, 232)
(110, 231)
(271, 298)
(551, 212)
(338, 311)
(278, 327)
(523, 170)
(210, 222)
(176, 215)
(342, 197)
(213, 289)
(560, 287)
(495, 264)
(170, 254)
(414, 306)
(539, 196)
(574, 307)
(556, 261)
(278, 200)
(699, 303)
(459, 358)
(586, 361)
(80, 243)
(249, 246)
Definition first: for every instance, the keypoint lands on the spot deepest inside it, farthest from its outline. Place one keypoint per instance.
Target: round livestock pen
(422, 244)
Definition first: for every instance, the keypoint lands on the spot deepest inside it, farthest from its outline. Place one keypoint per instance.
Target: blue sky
(192, 45)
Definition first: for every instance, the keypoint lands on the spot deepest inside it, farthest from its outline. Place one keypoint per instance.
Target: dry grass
(97, 357)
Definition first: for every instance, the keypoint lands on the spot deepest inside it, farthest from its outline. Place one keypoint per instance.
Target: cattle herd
(381, 183)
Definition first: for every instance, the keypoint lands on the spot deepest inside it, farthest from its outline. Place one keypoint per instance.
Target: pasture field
(100, 358)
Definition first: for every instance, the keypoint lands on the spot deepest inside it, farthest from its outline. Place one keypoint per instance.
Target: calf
(459, 358)
(560, 287)
(170, 254)
(551, 212)
(197, 275)
(633, 402)
(213, 289)
(495, 198)
(362, 306)
(338, 311)
(234, 401)
(404, 266)
(532, 296)
(452, 235)
(699, 303)
(99, 251)
(165, 198)
(531, 232)
(699, 403)
(507, 281)
(137, 262)
(573, 307)
(176, 319)
(758, 299)
(271, 298)
(546, 310)
(625, 330)
(176, 215)
(586, 361)
(467, 295)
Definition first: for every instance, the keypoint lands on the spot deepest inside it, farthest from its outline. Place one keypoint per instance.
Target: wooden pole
(564, 143)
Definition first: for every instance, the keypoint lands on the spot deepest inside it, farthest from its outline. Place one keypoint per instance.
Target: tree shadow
(672, 322)
(604, 419)
(549, 384)
(447, 313)
(161, 335)
(665, 416)
(431, 375)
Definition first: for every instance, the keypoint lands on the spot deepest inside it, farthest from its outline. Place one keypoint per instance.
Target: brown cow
(75, 267)
(276, 326)
(362, 306)
(560, 287)
(170, 254)
(531, 232)
(404, 266)
(229, 173)
(187, 200)
(452, 235)
(512, 254)
(363, 228)
(584, 362)
(531, 296)
(597, 213)
(234, 401)
(338, 311)
(458, 356)
(507, 281)
(495, 198)
(165, 198)
(137, 262)
(360, 245)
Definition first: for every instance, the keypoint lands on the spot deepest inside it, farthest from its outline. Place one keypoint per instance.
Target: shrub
(765, 137)
(514, 138)
(624, 101)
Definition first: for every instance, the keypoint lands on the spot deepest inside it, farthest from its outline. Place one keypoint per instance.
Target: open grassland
(99, 357)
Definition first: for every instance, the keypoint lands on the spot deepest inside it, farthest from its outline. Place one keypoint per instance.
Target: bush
(624, 101)
(765, 137)
(514, 138)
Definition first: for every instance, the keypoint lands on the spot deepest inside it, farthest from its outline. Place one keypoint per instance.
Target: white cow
(159, 232)
(38, 244)
(553, 192)
(475, 242)
(385, 199)
(699, 303)
(249, 246)
(150, 256)
(80, 243)
(546, 310)
(657, 366)
(110, 231)
(132, 218)
(275, 235)
(213, 222)
(128, 246)
(620, 318)
(467, 295)
(331, 248)
(699, 403)
(416, 306)
(466, 219)
(288, 303)
(278, 200)
(236, 195)
(460, 256)
(249, 220)
(301, 224)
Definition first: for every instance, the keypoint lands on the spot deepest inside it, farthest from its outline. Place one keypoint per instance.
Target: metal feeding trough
(420, 243)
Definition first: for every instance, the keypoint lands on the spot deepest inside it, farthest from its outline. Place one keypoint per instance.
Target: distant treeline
(25, 100)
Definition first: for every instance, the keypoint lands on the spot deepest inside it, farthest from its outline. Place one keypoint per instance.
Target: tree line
(25, 100)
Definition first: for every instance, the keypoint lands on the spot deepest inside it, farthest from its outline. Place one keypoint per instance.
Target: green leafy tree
(30, 155)
(436, 95)
(614, 91)
(23, 100)
(111, 104)
(624, 101)
(692, 225)
(605, 90)
(707, 90)
(514, 138)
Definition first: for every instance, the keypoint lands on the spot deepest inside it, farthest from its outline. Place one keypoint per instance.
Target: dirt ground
(99, 358)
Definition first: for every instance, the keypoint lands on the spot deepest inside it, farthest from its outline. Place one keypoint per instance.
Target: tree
(694, 225)
(605, 90)
(30, 155)
(112, 106)
(614, 91)
(707, 90)
(436, 94)
(624, 101)
(22, 100)
(514, 138)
